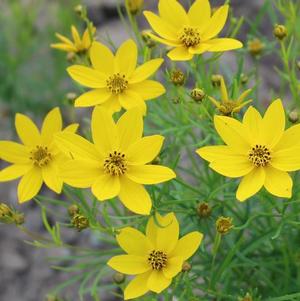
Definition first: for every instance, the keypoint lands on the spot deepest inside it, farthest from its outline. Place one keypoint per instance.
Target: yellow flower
(78, 45)
(227, 106)
(115, 165)
(115, 80)
(156, 257)
(257, 149)
(37, 160)
(190, 33)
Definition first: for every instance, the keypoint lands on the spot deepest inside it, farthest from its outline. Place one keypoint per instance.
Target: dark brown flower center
(259, 155)
(157, 260)
(40, 156)
(190, 36)
(117, 83)
(115, 164)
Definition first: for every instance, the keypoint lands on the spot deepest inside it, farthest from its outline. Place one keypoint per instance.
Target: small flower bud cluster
(78, 220)
(9, 215)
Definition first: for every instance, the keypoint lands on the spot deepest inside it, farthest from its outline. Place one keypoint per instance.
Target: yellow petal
(163, 41)
(134, 197)
(163, 232)
(174, 266)
(80, 173)
(150, 174)
(130, 99)
(200, 48)
(199, 13)
(106, 187)
(30, 185)
(187, 245)
(129, 264)
(232, 166)
(278, 182)
(112, 105)
(104, 131)
(223, 44)
(134, 242)
(224, 93)
(14, 152)
(75, 35)
(63, 39)
(148, 89)
(157, 281)
(51, 177)
(92, 98)
(215, 153)
(161, 26)
(86, 39)
(286, 159)
(76, 146)
(102, 58)
(13, 172)
(137, 287)
(144, 71)
(173, 13)
(64, 47)
(216, 23)
(126, 58)
(130, 128)
(289, 139)
(72, 128)
(251, 184)
(273, 123)
(252, 121)
(51, 125)
(144, 150)
(27, 130)
(233, 133)
(180, 54)
(87, 76)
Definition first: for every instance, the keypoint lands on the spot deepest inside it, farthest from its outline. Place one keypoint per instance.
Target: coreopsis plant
(192, 32)
(79, 44)
(115, 80)
(259, 149)
(36, 159)
(155, 258)
(116, 163)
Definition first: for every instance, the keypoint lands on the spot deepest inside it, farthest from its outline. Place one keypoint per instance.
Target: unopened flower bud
(203, 210)
(177, 77)
(293, 117)
(147, 38)
(73, 209)
(216, 80)
(71, 96)
(80, 222)
(4, 210)
(256, 47)
(224, 224)
(244, 79)
(78, 9)
(135, 6)
(197, 94)
(9, 215)
(186, 267)
(119, 278)
(280, 31)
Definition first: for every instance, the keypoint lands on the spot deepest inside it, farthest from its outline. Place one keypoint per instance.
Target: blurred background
(33, 80)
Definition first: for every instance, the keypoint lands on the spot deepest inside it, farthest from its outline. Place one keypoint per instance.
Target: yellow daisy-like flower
(78, 45)
(257, 149)
(155, 258)
(190, 33)
(227, 106)
(116, 81)
(37, 160)
(115, 165)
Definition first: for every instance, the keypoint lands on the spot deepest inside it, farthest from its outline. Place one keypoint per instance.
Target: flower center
(190, 36)
(115, 164)
(117, 83)
(40, 156)
(157, 260)
(259, 155)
